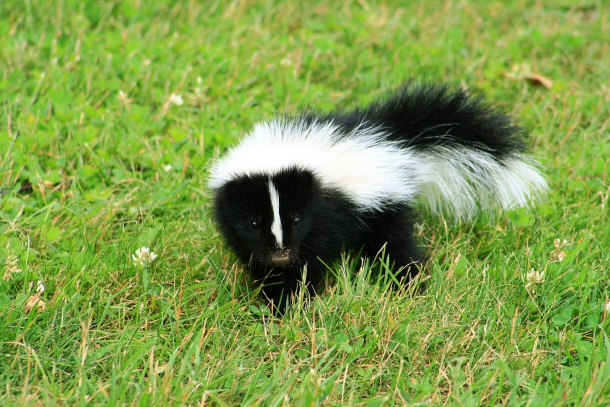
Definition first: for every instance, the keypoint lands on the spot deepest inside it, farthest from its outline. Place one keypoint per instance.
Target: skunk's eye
(296, 221)
(253, 225)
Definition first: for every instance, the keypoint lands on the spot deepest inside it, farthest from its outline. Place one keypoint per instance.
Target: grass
(97, 160)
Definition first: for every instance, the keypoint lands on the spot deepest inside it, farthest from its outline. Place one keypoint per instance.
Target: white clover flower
(39, 288)
(558, 255)
(559, 243)
(34, 301)
(123, 98)
(166, 168)
(10, 268)
(175, 99)
(534, 277)
(143, 256)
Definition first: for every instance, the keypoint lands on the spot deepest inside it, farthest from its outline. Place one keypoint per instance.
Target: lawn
(110, 116)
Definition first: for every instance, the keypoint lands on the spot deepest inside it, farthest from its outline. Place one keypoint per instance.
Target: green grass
(85, 181)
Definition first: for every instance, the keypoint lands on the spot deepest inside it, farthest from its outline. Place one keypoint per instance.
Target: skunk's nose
(281, 258)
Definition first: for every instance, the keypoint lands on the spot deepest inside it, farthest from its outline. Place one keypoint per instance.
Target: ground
(111, 114)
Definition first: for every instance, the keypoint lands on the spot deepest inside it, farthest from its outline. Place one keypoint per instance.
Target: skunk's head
(265, 218)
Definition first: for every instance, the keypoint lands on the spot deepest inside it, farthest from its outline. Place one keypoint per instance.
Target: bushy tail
(464, 155)
(461, 181)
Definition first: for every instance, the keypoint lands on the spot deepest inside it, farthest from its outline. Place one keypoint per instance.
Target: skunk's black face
(266, 218)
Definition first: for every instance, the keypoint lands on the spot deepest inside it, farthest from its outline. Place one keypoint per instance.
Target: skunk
(297, 191)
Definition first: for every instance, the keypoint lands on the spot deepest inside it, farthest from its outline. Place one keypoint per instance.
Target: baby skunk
(298, 190)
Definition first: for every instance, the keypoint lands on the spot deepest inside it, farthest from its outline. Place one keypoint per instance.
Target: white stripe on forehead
(276, 226)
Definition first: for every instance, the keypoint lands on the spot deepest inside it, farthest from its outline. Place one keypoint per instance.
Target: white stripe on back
(374, 171)
(276, 226)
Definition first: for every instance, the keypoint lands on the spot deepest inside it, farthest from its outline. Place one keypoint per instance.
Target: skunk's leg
(281, 285)
(393, 228)
(277, 285)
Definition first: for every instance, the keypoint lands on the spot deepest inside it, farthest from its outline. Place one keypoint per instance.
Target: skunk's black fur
(298, 191)
(428, 114)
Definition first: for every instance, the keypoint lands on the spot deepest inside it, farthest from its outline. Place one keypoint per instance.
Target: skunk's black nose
(280, 258)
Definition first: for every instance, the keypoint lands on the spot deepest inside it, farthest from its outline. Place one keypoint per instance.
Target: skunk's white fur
(373, 171)
(276, 225)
